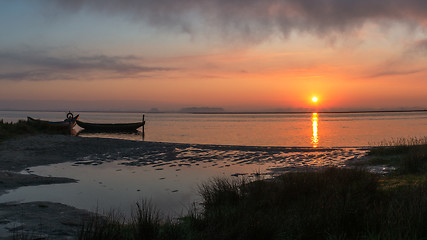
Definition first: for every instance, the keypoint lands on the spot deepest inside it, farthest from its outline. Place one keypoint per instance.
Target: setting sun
(314, 99)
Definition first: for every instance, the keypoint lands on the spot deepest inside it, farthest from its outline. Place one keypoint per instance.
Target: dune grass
(20, 128)
(333, 203)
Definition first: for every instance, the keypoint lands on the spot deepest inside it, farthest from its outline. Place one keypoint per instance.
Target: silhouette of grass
(328, 204)
(305, 205)
(333, 203)
(145, 223)
(12, 130)
(398, 146)
(409, 155)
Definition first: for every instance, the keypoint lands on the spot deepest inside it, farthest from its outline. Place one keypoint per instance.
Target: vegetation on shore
(347, 203)
(12, 130)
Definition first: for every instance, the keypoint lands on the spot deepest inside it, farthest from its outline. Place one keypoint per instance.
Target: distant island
(201, 110)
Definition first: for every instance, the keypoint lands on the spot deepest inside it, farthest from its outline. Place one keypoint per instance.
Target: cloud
(254, 19)
(29, 75)
(395, 73)
(36, 67)
(409, 61)
(418, 48)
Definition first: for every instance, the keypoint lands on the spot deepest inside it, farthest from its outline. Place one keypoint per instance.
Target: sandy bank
(40, 220)
(11, 180)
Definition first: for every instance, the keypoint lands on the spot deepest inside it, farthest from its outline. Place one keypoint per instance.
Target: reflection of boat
(110, 127)
(68, 123)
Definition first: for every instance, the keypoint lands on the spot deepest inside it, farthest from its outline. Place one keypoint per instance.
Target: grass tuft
(398, 145)
(409, 155)
(146, 222)
(12, 130)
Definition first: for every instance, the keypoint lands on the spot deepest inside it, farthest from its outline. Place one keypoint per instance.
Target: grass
(294, 206)
(409, 155)
(145, 223)
(334, 203)
(12, 130)
(398, 146)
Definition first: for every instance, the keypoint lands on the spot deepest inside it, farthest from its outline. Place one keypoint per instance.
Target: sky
(241, 55)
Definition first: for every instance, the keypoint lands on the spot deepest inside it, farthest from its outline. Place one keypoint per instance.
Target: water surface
(171, 178)
(290, 130)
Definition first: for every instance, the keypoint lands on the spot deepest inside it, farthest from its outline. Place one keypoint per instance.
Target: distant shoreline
(226, 112)
(336, 112)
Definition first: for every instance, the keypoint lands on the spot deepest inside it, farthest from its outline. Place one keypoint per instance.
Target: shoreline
(24, 152)
(20, 154)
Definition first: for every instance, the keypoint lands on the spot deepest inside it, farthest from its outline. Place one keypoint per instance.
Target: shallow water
(169, 179)
(289, 130)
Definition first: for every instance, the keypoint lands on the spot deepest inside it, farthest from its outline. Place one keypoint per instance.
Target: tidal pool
(169, 180)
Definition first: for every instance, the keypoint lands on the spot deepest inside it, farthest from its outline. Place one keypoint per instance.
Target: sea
(218, 147)
(287, 130)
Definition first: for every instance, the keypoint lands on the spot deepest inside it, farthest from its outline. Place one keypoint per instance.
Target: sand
(18, 155)
(40, 220)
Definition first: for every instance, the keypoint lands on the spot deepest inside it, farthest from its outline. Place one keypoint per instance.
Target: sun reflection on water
(315, 137)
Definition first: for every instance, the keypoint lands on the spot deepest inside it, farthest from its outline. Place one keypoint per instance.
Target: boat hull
(68, 123)
(110, 127)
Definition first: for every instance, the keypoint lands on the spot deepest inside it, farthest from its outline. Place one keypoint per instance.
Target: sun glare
(314, 99)
(315, 137)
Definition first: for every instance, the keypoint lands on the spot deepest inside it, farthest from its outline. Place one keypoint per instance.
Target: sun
(314, 99)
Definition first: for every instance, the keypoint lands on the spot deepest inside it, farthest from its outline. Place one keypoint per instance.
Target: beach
(17, 156)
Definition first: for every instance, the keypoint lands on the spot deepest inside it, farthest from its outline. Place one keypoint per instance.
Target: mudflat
(20, 154)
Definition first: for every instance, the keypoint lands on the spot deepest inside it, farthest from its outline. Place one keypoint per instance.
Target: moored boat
(68, 123)
(110, 127)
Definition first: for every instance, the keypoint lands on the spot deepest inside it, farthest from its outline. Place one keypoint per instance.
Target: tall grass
(333, 203)
(409, 154)
(145, 223)
(411, 141)
(99, 227)
(398, 145)
(307, 205)
(11, 130)
(328, 204)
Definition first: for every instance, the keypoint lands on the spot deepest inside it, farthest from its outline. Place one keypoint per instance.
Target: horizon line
(225, 112)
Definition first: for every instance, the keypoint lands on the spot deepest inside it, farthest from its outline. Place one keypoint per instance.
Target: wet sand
(20, 154)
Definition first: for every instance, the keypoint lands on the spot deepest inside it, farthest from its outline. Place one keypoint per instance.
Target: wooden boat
(68, 123)
(110, 127)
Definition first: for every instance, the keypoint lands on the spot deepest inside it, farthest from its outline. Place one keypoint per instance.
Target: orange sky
(85, 59)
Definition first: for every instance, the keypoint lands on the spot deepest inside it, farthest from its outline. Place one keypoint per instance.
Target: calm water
(292, 130)
(117, 181)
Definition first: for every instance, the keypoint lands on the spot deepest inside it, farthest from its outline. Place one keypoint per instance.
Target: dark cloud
(36, 67)
(29, 75)
(395, 73)
(257, 19)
